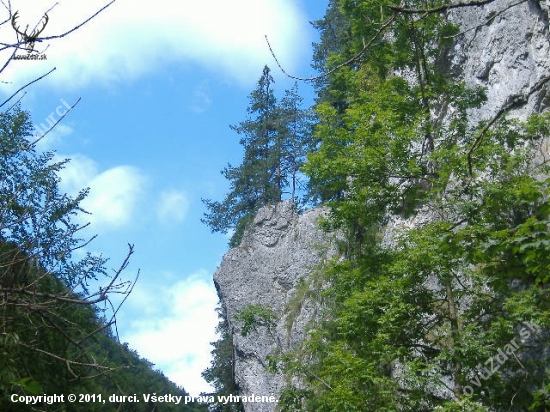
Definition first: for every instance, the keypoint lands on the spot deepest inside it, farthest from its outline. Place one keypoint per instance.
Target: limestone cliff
(503, 47)
(279, 251)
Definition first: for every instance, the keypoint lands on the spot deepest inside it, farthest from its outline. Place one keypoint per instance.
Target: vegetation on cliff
(276, 137)
(448, 311)
(412, 322)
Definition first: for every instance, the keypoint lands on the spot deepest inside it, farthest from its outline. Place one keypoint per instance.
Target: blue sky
(159, 83)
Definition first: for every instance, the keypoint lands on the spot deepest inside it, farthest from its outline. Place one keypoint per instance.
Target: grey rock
(505, 48)
(278, 252)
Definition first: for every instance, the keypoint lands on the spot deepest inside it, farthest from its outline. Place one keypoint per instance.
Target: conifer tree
(47, 312)
(275, 139)
(253, 183)
(295, 140)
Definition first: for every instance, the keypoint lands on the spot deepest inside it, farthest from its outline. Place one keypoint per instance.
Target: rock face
(279, 252)
(504, 47)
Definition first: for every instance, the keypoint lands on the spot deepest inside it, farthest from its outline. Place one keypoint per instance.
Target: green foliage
(276, 138)
(34, 214)
(221, 371)
(254, 316)
(409, 325)
(255, 182)
(53, 339)
(65, 349)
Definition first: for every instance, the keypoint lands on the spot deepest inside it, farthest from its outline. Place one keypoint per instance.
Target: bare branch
(100, 296)
(78, 26)
(25, 86)
(58, 36)
(58, 298)
(9, 60)
(67, 361)
(382, 29)
(55, 124)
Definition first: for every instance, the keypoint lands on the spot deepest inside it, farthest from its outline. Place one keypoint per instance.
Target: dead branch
(67, 361)
(25, 86)
(24, 291)
(129, 290)
(100, 296)
(55, 124)
(382, 29)
(58, 36)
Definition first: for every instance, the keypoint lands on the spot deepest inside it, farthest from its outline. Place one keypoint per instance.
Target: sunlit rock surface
(278, 252)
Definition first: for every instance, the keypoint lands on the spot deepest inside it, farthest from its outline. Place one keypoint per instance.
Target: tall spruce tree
(295, 141)
(275, 139)
(253, 183)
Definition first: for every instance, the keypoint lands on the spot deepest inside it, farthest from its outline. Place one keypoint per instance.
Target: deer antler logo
(29, 39)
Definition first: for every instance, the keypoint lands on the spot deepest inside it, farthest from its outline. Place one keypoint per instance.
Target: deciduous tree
(409, 321)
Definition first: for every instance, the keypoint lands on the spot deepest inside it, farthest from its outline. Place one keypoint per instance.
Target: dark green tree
(41, 283)
(275, 139)
(255, 182)
(334, 33)
(295, 141)
(221, 373)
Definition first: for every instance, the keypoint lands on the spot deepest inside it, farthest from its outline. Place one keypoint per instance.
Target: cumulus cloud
(173, 327)
(133, 37)
(172, 206)
(77, 173)
(113, 195)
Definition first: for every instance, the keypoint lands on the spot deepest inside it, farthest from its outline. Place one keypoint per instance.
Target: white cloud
(172, 206)
(132, 37)
(78, 173)
(113, 195)
(176, 334)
